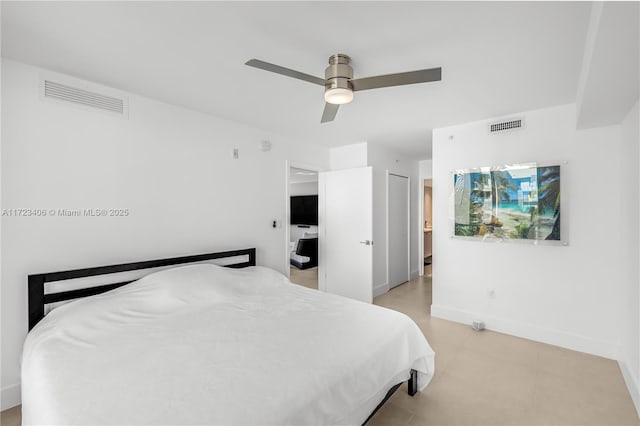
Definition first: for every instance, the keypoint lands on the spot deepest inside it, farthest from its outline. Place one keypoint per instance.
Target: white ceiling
(496, 58)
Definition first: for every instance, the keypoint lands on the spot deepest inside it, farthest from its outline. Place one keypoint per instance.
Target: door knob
(367, 242)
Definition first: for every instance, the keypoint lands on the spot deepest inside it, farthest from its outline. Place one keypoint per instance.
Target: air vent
(505, 125)
(85, 98)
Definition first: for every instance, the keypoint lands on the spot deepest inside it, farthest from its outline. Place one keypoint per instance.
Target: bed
(207, 344)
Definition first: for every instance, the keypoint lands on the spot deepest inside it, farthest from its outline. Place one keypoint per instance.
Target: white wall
(567, 296)
(171, 167)
(630, 237)
(425, 168)
(348, 156)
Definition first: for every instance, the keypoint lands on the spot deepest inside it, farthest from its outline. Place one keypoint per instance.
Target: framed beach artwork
(518, 202)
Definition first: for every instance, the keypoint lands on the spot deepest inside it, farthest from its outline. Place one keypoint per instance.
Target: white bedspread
(203, 344)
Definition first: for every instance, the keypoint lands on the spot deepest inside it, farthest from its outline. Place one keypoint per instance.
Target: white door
(345, 227)
(398, 227)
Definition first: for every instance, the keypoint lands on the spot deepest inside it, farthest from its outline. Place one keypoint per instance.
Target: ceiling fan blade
(285, 71)
(329, 113)
(399, 79)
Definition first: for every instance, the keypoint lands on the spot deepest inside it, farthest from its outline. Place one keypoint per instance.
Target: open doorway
(303, 227)
(428, 227)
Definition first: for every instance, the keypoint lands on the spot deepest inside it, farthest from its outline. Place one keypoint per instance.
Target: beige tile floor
(304, 277)
(11, 417)
(488, 378)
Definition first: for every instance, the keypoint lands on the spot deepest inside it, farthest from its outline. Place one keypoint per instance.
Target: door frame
(388, 176)
(287, 208)
(422, 177)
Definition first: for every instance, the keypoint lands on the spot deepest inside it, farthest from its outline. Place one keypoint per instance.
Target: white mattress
(203, 344)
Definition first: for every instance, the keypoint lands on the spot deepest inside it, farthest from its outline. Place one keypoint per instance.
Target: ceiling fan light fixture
(339, 84)
(338, 95)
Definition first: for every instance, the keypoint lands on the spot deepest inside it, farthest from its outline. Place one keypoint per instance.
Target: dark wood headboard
(38, 299)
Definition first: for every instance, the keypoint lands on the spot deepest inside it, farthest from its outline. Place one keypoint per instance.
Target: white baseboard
(414, 274)
(632, 384)
(10, 397)
(380, 289)
(528, 331)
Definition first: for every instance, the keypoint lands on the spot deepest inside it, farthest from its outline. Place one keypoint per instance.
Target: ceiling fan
(339, 83)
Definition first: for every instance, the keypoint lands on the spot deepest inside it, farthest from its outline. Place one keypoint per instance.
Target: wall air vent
(87, 99)
(506, 125)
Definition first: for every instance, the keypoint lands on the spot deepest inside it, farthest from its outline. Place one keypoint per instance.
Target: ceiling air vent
(85, 98)
(506, 125)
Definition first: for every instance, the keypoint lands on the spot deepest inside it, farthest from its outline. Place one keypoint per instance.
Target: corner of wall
(632, 384)
(414, 274)
(10, 397)
(380, 289)
(592, 32)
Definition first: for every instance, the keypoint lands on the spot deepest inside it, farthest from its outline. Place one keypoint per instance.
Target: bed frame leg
(413, 383)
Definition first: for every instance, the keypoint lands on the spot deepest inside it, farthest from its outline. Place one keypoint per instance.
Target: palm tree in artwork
(549, 197)
(500, 184)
